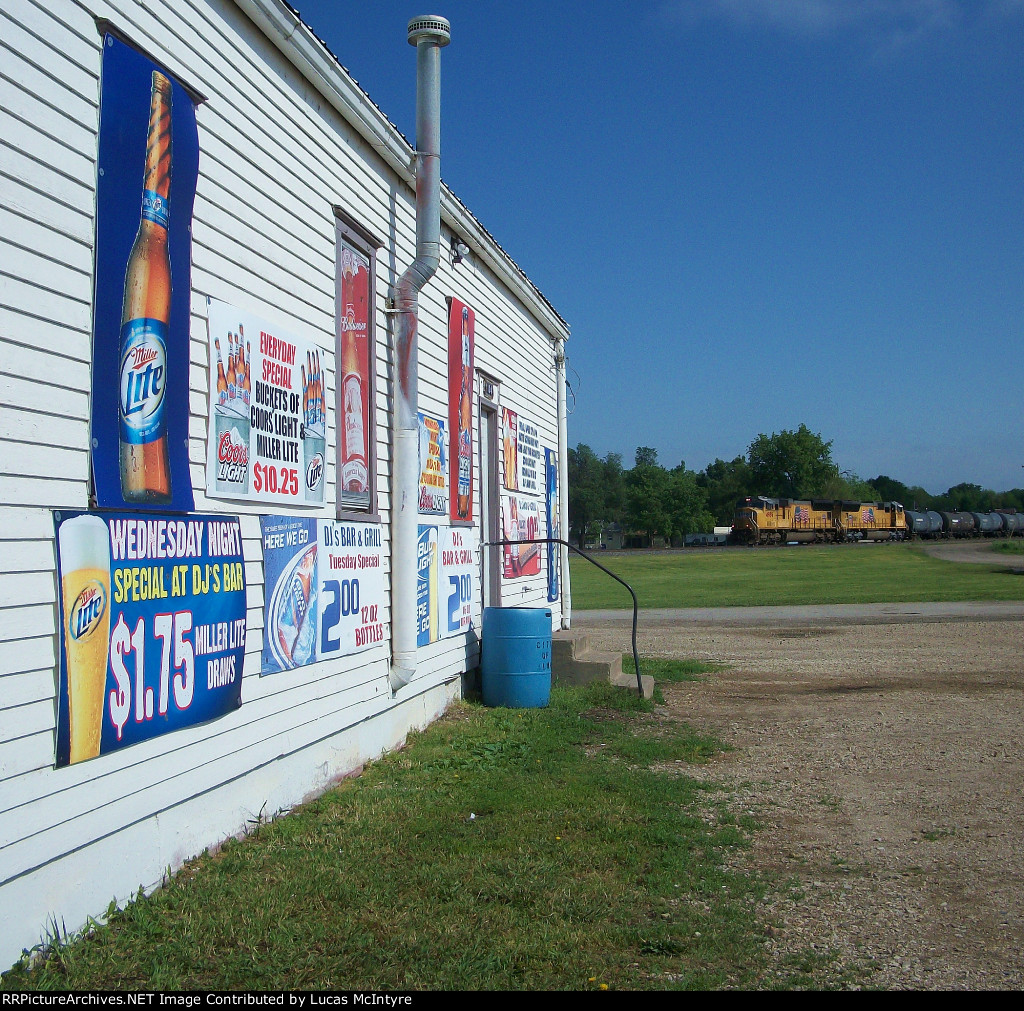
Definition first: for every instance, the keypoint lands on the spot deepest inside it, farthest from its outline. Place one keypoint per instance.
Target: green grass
(844, 574)
(563, 848)
(673, 671)
(1009, 547)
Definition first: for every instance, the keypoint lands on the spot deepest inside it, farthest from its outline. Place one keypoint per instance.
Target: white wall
(71, 839)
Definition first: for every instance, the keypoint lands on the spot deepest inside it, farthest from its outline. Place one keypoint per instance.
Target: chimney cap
(430, 28)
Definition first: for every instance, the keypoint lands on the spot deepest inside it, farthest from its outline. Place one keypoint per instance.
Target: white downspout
(563, 483)
(428, 34)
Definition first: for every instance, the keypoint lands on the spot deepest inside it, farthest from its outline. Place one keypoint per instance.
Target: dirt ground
(885, 764)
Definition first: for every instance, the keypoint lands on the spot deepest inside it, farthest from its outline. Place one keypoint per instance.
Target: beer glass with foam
(84, 546)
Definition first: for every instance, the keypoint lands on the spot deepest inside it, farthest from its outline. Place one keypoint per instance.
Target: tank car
(957, 524)
(987, 524)
(924, 523)
(1012, 523)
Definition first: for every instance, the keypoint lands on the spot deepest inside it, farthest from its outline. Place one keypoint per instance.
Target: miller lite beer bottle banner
(461, 387)
(324, 594)
(152, 627)
(447, 563)
(268, 411)
(148, 159)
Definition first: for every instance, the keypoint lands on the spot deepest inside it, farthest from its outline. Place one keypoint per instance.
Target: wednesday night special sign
(152, 622)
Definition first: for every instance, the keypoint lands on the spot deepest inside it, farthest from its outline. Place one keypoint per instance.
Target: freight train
(762, 520)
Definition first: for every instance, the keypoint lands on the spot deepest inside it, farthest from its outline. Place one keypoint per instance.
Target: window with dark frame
(356, 370)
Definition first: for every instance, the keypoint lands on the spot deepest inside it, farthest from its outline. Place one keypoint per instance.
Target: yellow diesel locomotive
(762, 520)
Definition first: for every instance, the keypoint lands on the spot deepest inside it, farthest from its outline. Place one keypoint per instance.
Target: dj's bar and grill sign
(152, 627)
(268, 411)
(324, 590)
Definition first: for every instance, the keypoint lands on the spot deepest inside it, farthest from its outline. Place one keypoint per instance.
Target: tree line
(651, 501)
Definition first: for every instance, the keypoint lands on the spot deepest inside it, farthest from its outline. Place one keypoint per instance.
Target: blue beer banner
(551, 505)
(152, 627)
(323, 590)
(290, 587)
(447, 561)
(426, 585)
(142, 291)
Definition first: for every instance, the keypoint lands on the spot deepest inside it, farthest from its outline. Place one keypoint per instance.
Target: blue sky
(752, 213)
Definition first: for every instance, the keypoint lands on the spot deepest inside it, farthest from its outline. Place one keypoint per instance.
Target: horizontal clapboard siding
(275, 158)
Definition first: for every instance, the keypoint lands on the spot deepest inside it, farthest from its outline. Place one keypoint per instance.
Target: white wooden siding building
(289, 146)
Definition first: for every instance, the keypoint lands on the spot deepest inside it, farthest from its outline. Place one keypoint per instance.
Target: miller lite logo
(315, 472)
(154, 208)
(143, 380)
(87, 609)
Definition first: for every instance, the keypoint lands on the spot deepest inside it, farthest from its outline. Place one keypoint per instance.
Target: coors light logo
(232, 461)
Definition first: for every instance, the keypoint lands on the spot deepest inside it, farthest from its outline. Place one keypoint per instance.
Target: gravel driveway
(884, 760)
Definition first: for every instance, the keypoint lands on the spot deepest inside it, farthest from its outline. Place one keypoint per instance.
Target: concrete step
(628, 681)
(566, 645)
(574, 661)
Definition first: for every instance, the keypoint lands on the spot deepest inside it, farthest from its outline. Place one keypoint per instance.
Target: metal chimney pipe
(428, 34)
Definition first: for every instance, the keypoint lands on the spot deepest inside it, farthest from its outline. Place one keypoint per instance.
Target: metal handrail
(593, 561)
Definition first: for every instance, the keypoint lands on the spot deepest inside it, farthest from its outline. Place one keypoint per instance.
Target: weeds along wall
(288, 149)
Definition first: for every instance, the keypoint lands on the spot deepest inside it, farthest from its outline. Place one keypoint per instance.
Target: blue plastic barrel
(515, 660)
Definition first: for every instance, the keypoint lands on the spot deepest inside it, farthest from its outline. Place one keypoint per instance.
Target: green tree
(791, 464)
(848, 487)
(597, 492)
(964, 497)
(614, 482)
(917, 498)
(586, 493)
(724, 484)
(686, 504)
(647, 485)
(891, 490)
(647, 456)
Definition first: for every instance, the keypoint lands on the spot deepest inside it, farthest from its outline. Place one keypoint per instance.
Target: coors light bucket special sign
(268, 414)
(433, 482)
